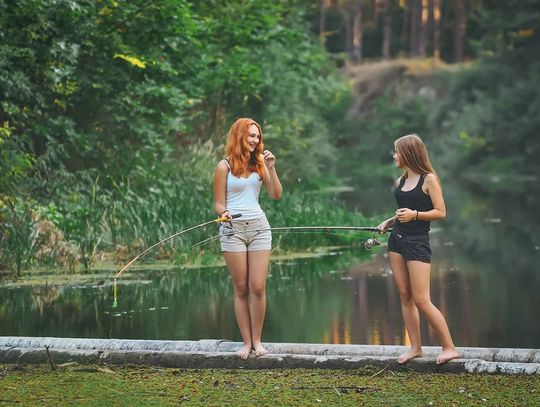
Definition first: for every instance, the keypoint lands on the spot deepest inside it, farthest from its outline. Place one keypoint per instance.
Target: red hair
(237, 149)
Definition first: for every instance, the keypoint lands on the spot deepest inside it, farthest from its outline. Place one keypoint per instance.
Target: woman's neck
(411, 173)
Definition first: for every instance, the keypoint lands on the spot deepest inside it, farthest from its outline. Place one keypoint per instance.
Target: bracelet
(416, 218)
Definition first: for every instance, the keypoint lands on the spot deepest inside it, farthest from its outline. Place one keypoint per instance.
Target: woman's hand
(405, 215)
(226, 214)
(384, 225)
(269, 159)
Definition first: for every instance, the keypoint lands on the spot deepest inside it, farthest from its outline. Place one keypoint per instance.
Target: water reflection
(485, 280)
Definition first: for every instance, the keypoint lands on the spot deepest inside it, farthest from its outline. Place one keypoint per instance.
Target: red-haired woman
(246, 241)
(419, 198)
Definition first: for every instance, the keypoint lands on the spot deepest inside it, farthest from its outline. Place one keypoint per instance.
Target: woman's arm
(220, 187)
(271, 179)
(434, 190)
(384, 225)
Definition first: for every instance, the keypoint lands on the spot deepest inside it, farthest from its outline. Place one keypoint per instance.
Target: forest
(113, 114)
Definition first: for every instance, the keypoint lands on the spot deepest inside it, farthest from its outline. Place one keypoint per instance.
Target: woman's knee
(422, 302)
(241, 290)
(258, 289)
(406, 297)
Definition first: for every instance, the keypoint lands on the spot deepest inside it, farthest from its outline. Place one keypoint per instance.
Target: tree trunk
(403, 35)
(322, 21)
(348, 34)
(424, 23)
(436, 19)
(415, 7)
(357, 33)
(387, 29)
(459, 30)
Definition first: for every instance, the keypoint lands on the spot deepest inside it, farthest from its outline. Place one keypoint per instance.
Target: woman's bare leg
(408, 307)
(258, 270)
(238, 268)
(419, 273)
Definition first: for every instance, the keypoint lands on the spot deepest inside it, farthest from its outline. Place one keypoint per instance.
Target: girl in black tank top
(415, 199)
(408, 245)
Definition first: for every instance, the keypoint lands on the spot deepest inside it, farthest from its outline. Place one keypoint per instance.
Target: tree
(386, 10)
(460, 25)
(435, 11)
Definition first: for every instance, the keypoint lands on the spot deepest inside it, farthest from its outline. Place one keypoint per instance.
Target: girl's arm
(271, 179)
(384, 225)
(434, 190)
(220, 188)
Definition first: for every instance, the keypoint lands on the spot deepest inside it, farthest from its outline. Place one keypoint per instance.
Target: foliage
(489, 117)
(106, 105)
(16, 236)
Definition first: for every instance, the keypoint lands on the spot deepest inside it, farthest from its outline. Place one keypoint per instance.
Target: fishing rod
(368, 244)
(218, 220)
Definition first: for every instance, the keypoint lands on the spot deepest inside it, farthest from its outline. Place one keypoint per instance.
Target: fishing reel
(371, 243)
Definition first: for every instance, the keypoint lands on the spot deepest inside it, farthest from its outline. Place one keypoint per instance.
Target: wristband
(416, 218)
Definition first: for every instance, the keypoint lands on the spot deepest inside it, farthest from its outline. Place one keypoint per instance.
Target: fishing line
(218, 220)
(216, 237)
(368, 244)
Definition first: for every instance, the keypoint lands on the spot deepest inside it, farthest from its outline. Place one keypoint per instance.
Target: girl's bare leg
(408, 307)
(419, 273)
(258, 270)
(238, 268)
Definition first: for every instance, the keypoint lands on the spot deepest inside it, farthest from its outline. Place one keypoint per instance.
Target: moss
(73, 384)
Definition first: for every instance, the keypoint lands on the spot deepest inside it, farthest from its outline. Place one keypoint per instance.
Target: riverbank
(211, 353)
(102, 273)
(54, 371)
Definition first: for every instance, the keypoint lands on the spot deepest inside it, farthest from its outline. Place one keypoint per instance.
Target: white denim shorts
(245, 235)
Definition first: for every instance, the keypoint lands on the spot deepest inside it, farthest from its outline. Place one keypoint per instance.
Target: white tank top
(243, 195)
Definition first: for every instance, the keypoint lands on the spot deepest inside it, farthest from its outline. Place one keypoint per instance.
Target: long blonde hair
(413, 154)
(237, 149)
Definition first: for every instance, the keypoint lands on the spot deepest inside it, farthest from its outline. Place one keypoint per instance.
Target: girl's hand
(226, 214)
(405, 215)
(383, 226)
(269, 159)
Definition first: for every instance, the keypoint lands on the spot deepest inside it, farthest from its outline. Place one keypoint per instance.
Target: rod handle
(225, 219)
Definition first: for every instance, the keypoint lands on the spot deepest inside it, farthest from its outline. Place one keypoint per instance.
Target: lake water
(485, 280)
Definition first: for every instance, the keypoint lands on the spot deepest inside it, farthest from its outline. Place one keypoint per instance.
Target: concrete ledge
(221, 354)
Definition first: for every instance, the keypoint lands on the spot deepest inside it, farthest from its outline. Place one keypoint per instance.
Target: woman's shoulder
(223, 165)
(431, 180)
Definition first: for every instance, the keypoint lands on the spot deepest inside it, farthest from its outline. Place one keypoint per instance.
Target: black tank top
(415, 199)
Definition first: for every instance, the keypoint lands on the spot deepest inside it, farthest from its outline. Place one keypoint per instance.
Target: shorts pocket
(226, 229)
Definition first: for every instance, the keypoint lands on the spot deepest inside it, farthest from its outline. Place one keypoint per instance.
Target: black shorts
(411, 247)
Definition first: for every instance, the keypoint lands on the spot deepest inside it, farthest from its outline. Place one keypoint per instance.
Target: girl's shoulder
(223, 165)
(431, 181)
(430, 178)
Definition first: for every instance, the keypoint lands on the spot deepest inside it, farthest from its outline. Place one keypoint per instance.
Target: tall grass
(118, 223)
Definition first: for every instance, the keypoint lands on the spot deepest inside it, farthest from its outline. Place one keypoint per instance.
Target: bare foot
(244, 352)
(259, 350)
(446, 355)
(411, 354)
